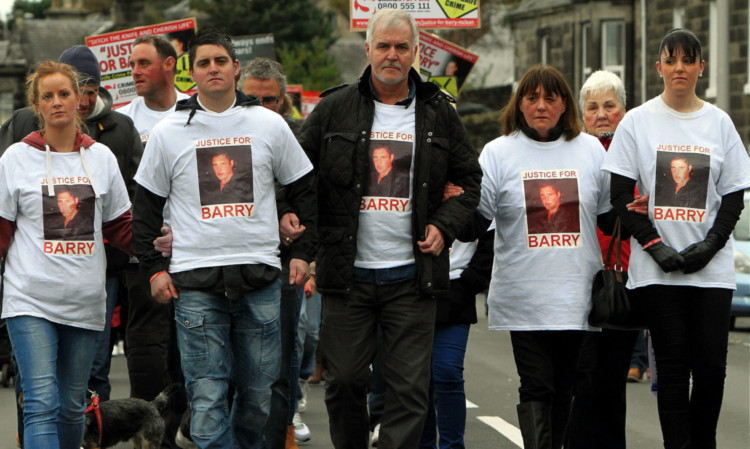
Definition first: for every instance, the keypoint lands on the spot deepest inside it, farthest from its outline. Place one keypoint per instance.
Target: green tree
(308, 64)
(290, 21)
(35, 7)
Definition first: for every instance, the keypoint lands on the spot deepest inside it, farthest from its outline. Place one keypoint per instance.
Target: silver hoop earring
(660, 76)
(701, 75)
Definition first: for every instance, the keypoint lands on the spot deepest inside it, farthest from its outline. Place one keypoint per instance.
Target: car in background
(741, 297)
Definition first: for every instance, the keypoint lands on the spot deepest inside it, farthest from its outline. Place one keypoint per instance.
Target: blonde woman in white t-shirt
(54, 298)
(681, 265)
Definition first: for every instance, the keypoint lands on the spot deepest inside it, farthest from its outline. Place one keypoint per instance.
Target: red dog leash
(95, 407)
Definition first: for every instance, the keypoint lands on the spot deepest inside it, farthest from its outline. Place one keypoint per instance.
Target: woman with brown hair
(54, 295)
(541, 280)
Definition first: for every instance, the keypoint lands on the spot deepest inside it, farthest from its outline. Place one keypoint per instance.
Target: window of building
(543, 48)
(613, 47)
(713, 49)
(585, 55)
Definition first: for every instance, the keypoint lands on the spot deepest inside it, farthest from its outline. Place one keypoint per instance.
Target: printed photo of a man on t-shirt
(225, 175)
(69, 215)
(552, 206)
(681, 179)
(390, 164)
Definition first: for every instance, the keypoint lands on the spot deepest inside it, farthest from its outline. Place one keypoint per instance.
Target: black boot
(535, 421)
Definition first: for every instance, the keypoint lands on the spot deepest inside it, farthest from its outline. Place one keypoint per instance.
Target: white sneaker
(375, 435)
(301, 431)
(304, 388)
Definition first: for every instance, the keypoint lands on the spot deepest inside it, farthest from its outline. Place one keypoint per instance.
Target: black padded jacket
(336, 137)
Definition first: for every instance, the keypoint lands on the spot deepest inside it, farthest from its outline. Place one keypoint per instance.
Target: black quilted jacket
(336, 137)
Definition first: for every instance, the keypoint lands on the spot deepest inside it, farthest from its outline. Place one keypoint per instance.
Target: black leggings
(689, 330)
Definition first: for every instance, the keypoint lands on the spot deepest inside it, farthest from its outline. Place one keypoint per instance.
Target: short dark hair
(210, 36)
(684, 40)
(162, 46)
(553, 82)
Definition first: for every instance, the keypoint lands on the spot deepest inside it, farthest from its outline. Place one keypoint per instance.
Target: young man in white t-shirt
(223, 272)
(149, 323)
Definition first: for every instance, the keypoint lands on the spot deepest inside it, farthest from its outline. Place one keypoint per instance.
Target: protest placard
(254, 46)
(427, 13)
(444, 63)
(113, 52)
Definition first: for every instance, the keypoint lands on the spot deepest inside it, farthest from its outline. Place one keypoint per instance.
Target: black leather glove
(667, 257)
(698, 255)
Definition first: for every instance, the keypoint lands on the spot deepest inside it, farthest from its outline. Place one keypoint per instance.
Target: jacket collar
(424, 90)
(36, 140)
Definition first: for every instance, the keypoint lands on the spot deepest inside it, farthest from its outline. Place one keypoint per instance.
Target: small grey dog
(132, 419)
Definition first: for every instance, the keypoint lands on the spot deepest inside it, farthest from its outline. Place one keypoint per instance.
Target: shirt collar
(405, 102)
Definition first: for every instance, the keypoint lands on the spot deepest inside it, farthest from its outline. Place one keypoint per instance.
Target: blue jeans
(640, 353)
(223, 340)
(447, 406)
(99, 378)
(54, 362)
(308, 334)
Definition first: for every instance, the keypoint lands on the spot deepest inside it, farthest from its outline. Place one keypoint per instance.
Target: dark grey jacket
(336, 137)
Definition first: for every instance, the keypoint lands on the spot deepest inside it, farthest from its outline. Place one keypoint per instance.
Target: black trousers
(347, 348)
(599, 407)
(546, 364)
(278, 418)
(690, 331)
(149, 339)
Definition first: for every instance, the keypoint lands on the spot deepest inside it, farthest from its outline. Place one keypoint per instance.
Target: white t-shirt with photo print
(384, 237)
(144, 118)
(542, 281)
(221, 234)
(654, 129)
(58, 280)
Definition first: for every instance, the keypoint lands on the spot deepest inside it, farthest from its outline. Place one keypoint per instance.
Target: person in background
(599, 408)
(682, 269)
(55, 332)
(471, 269)
(265, 79)
(639, 361)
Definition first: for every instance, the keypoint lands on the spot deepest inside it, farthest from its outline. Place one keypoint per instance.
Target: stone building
(582, 36)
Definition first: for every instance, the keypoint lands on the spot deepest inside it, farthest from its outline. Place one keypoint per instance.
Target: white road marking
(470, 404)
(505, 429)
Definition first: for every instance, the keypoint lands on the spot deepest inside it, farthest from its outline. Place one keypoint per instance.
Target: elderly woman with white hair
(598, 416)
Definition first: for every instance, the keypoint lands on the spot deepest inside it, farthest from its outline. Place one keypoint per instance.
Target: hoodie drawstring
(50, 186)
(88, 172)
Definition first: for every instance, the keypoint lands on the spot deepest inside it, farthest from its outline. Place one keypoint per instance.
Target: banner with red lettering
(444, 63)
(113, 52)
(428, 13)
(552, 208)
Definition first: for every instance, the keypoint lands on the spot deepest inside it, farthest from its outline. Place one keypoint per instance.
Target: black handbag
(612, 306)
